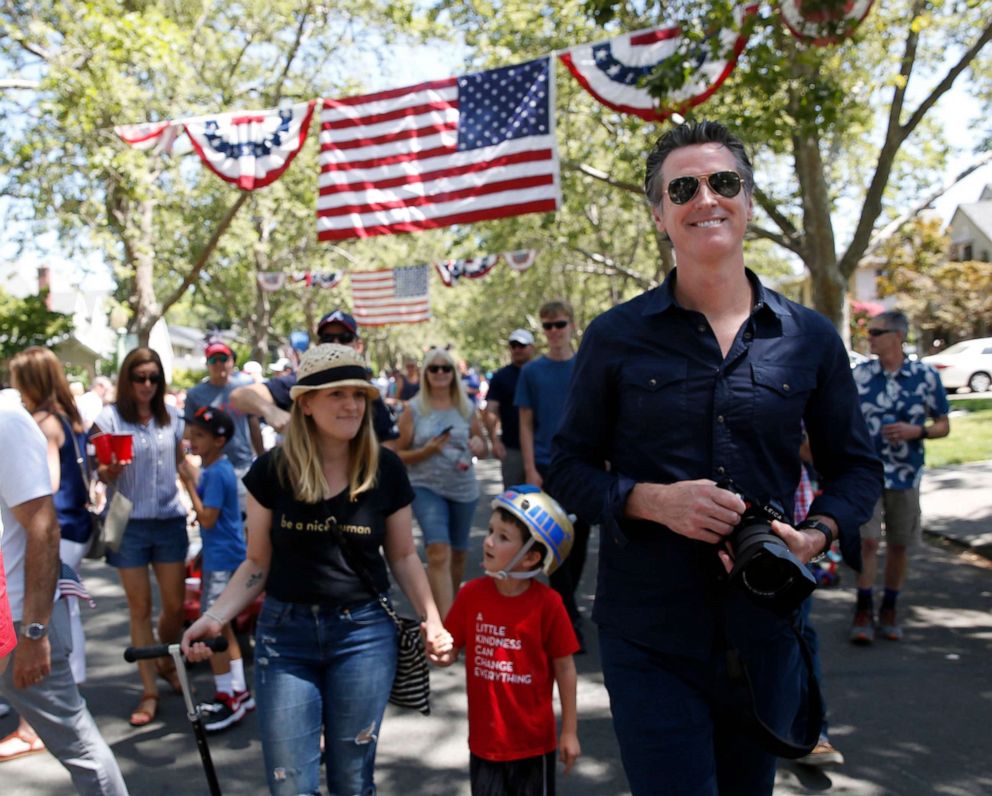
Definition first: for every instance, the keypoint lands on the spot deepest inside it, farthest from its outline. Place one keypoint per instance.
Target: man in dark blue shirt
(707, 377)
(502, 414)
(271, 401)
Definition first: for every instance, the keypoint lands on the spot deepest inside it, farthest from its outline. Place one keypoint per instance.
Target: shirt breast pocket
(654, 394)
(781, 391)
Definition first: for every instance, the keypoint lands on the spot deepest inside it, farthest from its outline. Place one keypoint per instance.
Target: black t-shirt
(383, 421)
(502, 389)
(307, 563)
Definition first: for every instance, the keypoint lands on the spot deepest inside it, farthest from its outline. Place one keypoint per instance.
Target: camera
(764, 567)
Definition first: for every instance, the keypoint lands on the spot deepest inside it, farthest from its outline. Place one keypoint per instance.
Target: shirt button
(720, 470)
(701, 327)
(719, 418)
(747, 335)
(652, 382)
(786, 387)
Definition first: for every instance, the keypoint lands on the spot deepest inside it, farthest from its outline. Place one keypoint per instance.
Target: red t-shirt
(7, 638)
(510, 647)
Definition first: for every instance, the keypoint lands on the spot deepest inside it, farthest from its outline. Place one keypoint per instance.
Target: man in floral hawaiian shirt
(897, 395)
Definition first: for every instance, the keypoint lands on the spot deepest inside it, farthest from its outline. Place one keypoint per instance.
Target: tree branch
(16, 84)
(790, 237)
(602, 176)
(607, 266)
(896, 224)
(201, 261)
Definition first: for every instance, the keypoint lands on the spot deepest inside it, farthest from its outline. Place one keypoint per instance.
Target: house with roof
(970, 229)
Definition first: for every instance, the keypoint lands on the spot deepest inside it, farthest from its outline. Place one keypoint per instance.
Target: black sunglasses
(215, 359)
(141, 378)
(439, 368)
(549, 325)
(342, 338)
(726, 183)
(514, 344)
(879, 332)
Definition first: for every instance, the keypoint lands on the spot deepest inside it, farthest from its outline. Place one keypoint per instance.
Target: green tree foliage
(166, 223)
(845, 129)
(944, 299)
(28, 321)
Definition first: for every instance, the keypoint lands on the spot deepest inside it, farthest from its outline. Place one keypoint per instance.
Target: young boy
(214, 493)
(518, 641)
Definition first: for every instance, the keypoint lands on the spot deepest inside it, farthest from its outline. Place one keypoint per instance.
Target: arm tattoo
(253, 580)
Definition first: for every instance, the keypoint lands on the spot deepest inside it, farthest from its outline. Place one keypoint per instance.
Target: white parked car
(965, 364)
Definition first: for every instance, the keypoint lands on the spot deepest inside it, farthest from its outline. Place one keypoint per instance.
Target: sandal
(15, 746)
(167, 671)
(143, 714)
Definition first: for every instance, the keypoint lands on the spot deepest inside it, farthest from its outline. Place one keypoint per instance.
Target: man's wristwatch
(823, 528)
(35, 631)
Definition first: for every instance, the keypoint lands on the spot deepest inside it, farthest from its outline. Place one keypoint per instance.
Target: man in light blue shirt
(897, 396)
(215, 391)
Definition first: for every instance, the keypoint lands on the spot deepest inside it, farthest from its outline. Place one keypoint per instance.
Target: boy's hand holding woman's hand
(438, 640)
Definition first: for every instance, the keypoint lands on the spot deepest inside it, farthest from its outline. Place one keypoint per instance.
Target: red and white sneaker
(245, 699)
(221, 713)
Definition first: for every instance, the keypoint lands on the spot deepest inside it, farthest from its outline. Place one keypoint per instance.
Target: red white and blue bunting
(451, 271)
(251, 148)
(520, 260)
(156, 136)
(612, 70)
(823, 22)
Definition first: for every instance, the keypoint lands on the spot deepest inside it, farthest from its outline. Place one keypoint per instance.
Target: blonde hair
(299, 465)
(456, 389)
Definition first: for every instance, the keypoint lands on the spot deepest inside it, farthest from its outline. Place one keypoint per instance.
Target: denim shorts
(443, 521)
(151, 542)
(212, 585)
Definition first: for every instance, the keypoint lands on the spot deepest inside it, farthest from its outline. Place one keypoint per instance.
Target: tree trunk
(260, 333)
(146, 308)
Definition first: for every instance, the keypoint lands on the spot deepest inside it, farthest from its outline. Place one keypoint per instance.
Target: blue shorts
(212, 584)
(443, 521)
(151, 542)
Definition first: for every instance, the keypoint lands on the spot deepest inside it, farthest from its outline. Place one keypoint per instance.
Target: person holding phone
(440, 435)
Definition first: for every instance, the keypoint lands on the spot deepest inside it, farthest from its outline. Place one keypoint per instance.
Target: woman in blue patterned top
(156, 531)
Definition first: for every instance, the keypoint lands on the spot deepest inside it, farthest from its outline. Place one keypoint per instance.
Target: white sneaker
(823, 754)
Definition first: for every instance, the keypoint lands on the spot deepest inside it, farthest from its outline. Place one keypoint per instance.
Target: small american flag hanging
(399, 295)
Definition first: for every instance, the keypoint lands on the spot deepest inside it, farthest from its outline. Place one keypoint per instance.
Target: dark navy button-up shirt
(653, 399)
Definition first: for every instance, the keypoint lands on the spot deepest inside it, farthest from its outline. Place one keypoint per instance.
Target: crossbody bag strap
(84, 471)
(362, 573)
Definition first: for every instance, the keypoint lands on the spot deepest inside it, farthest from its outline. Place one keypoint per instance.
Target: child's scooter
(219, 644)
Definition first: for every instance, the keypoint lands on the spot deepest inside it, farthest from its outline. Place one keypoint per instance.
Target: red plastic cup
(102, 446)
(123, 447)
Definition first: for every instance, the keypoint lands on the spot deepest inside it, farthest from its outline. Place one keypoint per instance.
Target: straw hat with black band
(331, 365)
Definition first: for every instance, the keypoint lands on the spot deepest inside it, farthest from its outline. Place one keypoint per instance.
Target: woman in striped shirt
(156, 531)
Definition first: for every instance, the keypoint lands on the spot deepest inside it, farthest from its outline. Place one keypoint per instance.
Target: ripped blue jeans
(322, 667)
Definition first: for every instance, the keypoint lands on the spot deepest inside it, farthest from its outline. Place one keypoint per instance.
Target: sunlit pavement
(910, 717)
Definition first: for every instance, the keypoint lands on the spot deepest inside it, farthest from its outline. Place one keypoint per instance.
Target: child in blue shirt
(214, 492)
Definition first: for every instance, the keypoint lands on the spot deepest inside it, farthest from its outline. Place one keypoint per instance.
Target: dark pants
(565, 580)
(813, 642)
(676, 734)
(530, 776)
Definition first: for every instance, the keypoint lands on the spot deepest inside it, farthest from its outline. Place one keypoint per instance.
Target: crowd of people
(677, 406)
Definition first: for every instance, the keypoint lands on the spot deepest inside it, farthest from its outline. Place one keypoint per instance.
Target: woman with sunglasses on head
(156, 531)
(327, 502)
(440, 433)
(39, 377)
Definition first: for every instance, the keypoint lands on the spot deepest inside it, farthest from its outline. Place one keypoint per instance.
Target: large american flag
(446, 152)
(399, 295)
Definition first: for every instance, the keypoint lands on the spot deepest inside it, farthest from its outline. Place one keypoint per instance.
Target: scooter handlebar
(132, 654)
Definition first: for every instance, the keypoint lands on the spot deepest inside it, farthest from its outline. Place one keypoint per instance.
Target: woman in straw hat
(325, 652)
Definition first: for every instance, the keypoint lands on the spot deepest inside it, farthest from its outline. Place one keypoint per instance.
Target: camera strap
(801, 740)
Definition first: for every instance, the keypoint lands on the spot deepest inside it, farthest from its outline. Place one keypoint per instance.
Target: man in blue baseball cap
(271, 400)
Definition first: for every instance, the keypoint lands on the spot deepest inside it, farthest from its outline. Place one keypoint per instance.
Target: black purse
(412, 683)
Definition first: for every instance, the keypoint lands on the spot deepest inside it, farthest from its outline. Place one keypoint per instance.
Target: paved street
(911, 717)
